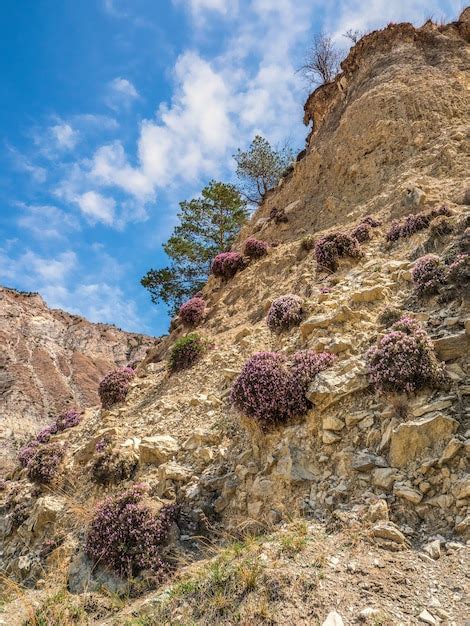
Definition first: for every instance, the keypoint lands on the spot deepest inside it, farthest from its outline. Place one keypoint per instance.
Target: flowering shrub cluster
(186, 351)
(64, 421)
(404, 359)
(191, 313)
(362, 232)
(125, 535)
(255, 249)
(113, 466)
(227, 264)
(114, 386)
(458, 272)
(414, 223)
(27, 452)
(44, 464)
(428, 275)
(331, 247)
(371, 221)
(271, 390)
(284, 313)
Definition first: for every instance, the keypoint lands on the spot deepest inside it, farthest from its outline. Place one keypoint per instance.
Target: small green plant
(185, 352)
(307, 243)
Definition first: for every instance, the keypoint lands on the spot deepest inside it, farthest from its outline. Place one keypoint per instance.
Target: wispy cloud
(96, 207)
(46, 221)
(23, 164)
(120, 93)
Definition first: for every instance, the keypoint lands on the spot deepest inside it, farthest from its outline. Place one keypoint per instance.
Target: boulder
(410, 439)
(365, 461)
(368, 294)
(158, 449)
(405, 491)
(384, 477)
(334, 384)
(462, 489)
(452, 347)
(45, 512)
(332, 423)
(174, 471)
(388, 530)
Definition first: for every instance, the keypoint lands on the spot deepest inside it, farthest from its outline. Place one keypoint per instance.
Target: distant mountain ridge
(51, 359)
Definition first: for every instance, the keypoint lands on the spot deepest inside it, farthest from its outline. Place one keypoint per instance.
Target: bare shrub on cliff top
(322, 61)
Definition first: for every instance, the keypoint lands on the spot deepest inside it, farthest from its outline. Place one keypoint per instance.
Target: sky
(114, 111)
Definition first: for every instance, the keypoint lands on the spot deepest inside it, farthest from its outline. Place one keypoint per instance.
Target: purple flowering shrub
(271, 390)
(126, 535)
(284, 313)
(64, 421)
(27, 452)
(428, 275)
(227, 264)
(191, 313)
(371, 221)
(362, 232)
(43, 466)
(330, 248)
(458, 272)
(114, 386)
(404, 360)
(255, 249)
(414, 223)
(185, 352)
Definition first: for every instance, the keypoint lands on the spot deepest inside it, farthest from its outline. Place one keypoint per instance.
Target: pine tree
(208, 225)
(260, 168)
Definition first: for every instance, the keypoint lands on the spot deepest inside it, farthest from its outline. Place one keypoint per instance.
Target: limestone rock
(333, 384)
(338, 315)
(388, 530)
(450, 450)
(366, 461)
(410, 439)
(378, 511)
(174, 471)
(201, 437)
(332, 423)
(384, 477)
(368, 294)
(329, 437)
(333, 619)
(157, 449)
(452, 347)
(433, 548)
(426, 617)
(45, 512)
(462, 488)
(405, 491)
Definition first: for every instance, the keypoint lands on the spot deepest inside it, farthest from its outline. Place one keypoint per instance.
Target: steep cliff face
(381, 478)
(51, 359)
(394, 119)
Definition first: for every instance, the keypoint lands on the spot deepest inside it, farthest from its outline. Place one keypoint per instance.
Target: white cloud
(357, 15)
(198, 7)
(120, 93)
(54, 270)
(21, 163)
(110, 168)
(97, 207)
(46, 221)
(65, 136)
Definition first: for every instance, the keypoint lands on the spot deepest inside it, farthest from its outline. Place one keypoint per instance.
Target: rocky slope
(51, 360)
(360, 510)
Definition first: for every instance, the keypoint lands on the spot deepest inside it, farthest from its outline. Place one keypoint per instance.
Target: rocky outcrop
(51, 359)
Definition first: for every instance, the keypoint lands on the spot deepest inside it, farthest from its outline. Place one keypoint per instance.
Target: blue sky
(115, 110)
